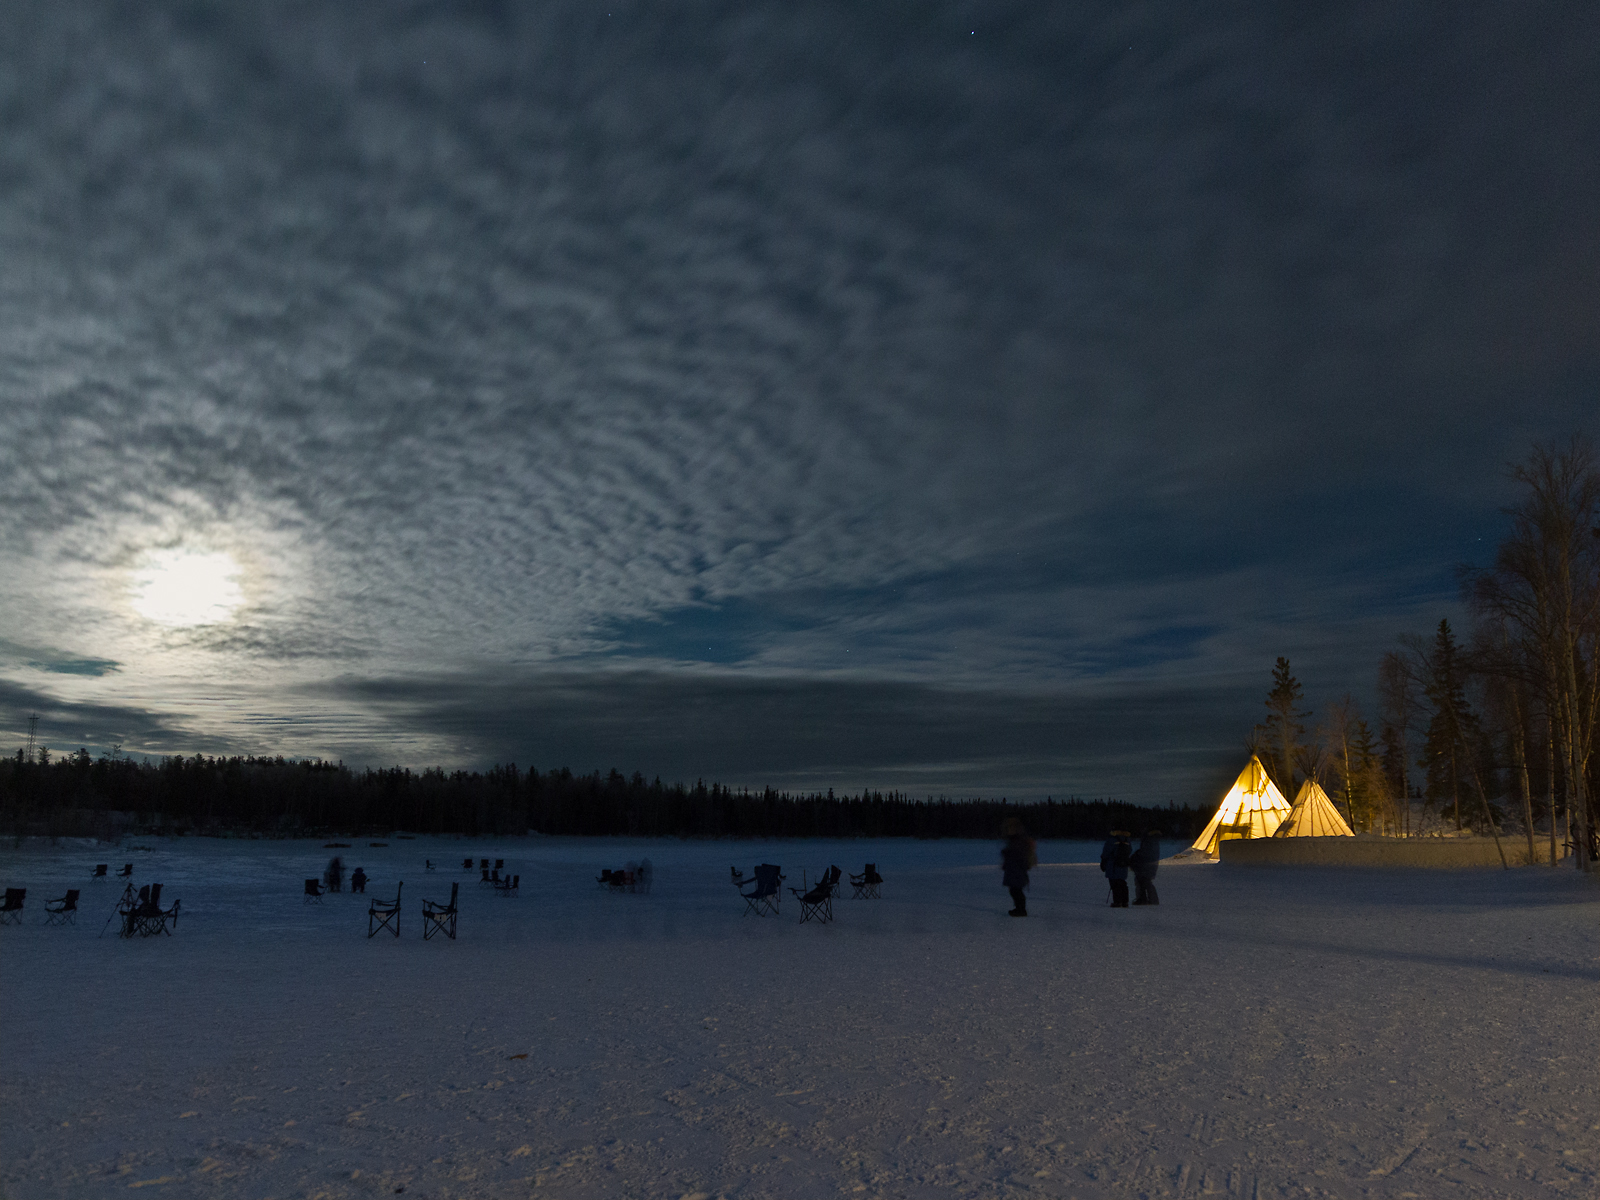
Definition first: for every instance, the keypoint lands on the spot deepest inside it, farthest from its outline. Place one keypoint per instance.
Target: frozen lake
(1265, 1032)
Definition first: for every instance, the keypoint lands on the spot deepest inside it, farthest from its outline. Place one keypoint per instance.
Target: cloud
(55, 662)
(1100, 342)
(66, 723)
(816, 733)
(75, 666)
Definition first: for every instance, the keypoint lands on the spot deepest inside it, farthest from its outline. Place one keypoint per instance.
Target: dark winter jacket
(1109, 857)
(1015, 858)
(1147, 858)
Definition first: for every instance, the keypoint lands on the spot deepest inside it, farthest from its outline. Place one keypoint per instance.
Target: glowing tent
(1253, 808)
(1313, 815)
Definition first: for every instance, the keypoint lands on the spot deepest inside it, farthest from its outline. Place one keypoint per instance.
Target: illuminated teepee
(1313, 815)
(1253, 808)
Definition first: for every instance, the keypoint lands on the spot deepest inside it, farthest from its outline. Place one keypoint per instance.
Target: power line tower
(33, 729)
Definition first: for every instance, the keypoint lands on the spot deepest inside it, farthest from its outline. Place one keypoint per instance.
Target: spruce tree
(1452, 730)
(1284, 729)
(1375, 794)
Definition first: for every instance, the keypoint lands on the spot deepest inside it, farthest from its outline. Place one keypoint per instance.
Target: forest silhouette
(79, 795)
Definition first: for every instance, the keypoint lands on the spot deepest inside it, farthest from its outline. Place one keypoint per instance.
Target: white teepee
(1313, 815)
(1253, 808)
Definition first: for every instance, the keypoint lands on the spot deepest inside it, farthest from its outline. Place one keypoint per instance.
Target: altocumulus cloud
(1030, 362)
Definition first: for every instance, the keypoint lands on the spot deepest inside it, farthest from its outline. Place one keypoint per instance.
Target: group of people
(333, 877)
(1020, 855)
(1118, 857)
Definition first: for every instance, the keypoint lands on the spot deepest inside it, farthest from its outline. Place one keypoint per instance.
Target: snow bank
(1371, 851)
(1263, 1033)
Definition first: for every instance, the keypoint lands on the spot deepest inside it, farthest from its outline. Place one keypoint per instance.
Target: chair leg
(378, 922)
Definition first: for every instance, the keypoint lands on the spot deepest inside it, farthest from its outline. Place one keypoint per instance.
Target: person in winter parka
(1016, 857)
(1146, 859)
(1114, 859)
(333, 877)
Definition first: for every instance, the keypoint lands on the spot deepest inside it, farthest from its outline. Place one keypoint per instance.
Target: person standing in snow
(1016, 857)
(1114, 859)
(358, 880)
(333, 877)
(1145, 861)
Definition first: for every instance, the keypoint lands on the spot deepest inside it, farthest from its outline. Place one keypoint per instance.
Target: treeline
(1491, 734)
(84, 796)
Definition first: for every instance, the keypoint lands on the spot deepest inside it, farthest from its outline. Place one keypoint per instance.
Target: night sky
(966, 398)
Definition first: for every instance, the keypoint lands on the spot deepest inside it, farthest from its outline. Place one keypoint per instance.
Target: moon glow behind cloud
(183, 588)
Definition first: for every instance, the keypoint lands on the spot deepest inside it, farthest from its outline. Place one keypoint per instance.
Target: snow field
(1266, 1032)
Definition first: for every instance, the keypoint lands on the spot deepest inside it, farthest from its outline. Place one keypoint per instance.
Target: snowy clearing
(1265, 1032)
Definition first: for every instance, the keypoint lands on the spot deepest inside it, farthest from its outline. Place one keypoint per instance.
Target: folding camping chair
(313, 894)
(604, 878)
(485, 878)
(11, 914)
(126, 872)
(828, 879)
(508, 886)
(437, 918)
(817, 904)
(65, 911)
(130, 904)
(768, 892)
(149, 912)
(142, 915)
(155, 919)
(867, 884)
(384, 915)
(466, 864)
(100, 871)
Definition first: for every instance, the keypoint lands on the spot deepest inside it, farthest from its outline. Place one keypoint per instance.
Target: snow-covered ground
(1265, 1032)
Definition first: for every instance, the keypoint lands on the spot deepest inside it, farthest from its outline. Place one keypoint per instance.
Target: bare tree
(1546, 585)
(1340, 730)
(1401, 695)
(1510, 680)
